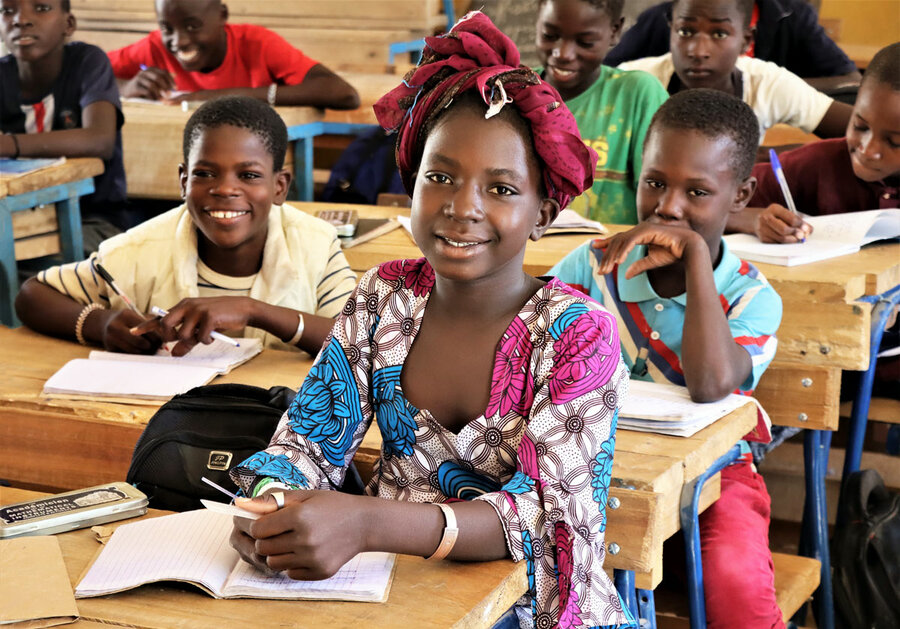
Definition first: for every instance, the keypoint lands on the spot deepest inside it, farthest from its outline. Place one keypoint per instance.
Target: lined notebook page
(191, 546)
(218, 355)
(126, 379)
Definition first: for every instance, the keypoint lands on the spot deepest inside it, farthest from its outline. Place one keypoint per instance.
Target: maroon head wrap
(476, 55)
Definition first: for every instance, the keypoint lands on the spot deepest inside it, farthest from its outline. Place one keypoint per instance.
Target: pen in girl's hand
(162, 312)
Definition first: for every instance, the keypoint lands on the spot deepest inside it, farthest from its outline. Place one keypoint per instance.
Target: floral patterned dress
(540, 455)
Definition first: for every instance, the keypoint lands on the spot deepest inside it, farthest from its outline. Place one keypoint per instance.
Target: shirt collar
(638, 288)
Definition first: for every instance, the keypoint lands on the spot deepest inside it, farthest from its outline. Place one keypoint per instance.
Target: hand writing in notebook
(293, 540)
(193, 321)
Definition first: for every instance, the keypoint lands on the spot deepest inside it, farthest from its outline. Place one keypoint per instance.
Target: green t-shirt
(613, 115)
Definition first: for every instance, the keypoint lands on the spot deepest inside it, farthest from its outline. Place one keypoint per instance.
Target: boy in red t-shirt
(195, 50)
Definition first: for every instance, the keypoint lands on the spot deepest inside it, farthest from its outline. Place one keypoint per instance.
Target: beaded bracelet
(82, 317)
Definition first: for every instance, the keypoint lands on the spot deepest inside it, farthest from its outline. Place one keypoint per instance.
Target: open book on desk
(833, 235)
(132, 378)
(668, 409)
(569, 222)
(193, 547)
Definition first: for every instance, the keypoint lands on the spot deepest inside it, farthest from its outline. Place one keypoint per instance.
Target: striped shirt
(157, 264)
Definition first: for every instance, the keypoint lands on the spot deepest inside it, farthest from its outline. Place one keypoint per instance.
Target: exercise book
(833, 235)
(193, 547)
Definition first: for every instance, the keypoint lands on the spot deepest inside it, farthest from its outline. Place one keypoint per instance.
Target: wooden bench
(342, 34)
(796, 578)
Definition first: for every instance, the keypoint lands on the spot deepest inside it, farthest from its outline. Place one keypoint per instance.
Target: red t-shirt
(256, 57)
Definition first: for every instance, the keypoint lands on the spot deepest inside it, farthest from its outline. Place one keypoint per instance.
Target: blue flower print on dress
(566, 319)
(601, 470)
(327, 409)
(456, 481)
(519, 484)
(528, 551)
(394, 414)
(275, 466)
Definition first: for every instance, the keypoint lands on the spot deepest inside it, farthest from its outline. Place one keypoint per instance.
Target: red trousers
(738, 574)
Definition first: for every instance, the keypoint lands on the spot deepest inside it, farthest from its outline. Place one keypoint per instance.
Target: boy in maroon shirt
(860, 171)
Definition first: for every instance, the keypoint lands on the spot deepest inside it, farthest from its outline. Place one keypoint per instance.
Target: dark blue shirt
(787, 33)
(86, 77)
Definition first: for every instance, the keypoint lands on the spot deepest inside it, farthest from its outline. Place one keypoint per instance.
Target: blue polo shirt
(650, 326)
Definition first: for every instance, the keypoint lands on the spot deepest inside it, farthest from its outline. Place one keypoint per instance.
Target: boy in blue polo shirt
(691, 313)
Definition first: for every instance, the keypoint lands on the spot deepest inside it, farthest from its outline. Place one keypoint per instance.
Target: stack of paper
(133, 377)
(668, 409)
(193, 547)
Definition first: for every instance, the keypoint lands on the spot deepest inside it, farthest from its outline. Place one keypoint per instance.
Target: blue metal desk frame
(302, 136)
(68, 216)
(416, 46)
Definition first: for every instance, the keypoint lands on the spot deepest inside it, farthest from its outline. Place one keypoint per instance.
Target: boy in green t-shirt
(612, 107)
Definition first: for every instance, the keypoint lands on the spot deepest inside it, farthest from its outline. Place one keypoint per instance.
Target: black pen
(112, 284)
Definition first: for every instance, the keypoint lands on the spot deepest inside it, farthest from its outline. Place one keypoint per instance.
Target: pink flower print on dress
(417, 274)
(512, 387)
(587, 354)
(568, 597)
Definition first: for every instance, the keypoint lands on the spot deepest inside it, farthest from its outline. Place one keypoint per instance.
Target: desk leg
(9, 278)
(884, 306)
(624, 581)
(690, 527)
(68, 217)
(646, 609)
(303, 168)
(814, 536)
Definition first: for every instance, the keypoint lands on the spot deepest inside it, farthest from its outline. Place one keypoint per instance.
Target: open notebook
(193, 547)
(667, 409)
(568, 222)
(126, 378)
(833, 235)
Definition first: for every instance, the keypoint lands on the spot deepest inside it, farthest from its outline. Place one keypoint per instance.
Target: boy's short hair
(713, 114)
(245, 113)
(613, 8)
(744, 7)
(885, 66)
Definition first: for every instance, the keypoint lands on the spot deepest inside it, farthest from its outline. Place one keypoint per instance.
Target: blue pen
(782, 182)
(143, 66)
(161, 312)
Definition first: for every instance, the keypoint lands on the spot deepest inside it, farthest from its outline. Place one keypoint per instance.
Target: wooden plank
(805, 396)
(796, 578)
(460, 594)
(837, 336)
(881, 409)
(37, 246)
(72, 169)
(39, 220)
(634, 528)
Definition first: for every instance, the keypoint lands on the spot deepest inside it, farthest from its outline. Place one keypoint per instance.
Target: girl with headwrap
(496, 393)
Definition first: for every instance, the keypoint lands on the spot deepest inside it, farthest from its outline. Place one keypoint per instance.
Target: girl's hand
(152, 83)
(315, 533)
(778, 224)
(665, 244)
(192, 321)
(112, 328)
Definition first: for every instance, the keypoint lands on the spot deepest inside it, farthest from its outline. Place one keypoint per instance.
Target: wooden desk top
(28, 358)
(423, 594)
(151, 145)
(72, 169)
(371, 87)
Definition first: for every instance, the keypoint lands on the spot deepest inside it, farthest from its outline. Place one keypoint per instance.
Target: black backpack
(866, 555)
(203, 432)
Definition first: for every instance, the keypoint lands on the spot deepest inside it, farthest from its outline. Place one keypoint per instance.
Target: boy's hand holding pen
(778, 223)
(196, 320)
(112, 328)
(150, 83)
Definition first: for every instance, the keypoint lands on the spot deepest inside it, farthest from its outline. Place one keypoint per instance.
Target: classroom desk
(63, 185)
(370, 87)
(423, 594)
(152, 139)
(65, 444)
